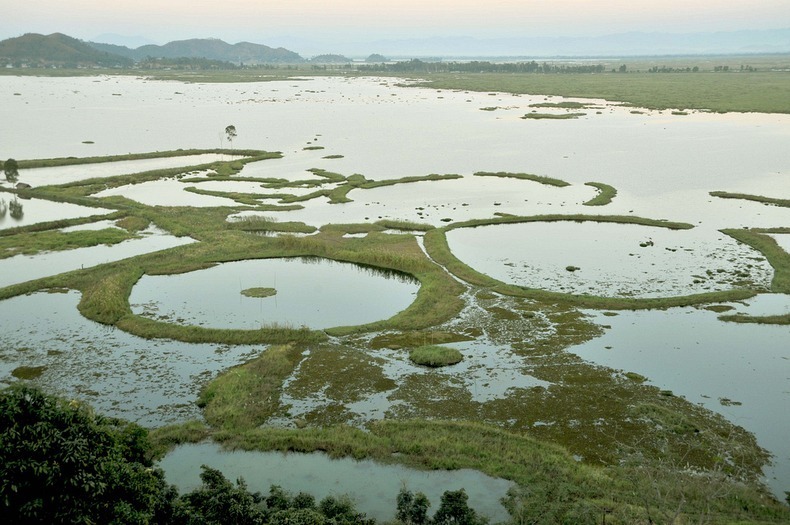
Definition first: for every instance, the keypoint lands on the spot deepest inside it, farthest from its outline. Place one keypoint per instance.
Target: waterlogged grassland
(764, 91)
(358, 395)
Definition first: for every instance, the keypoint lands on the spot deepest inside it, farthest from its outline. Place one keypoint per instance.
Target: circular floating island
(610, 259)
(315, 293)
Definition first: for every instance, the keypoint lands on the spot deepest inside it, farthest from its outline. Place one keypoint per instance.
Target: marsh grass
(605, 194)
(784, 203)
(549, 181)
(562, 105)
(435, 356)
(552, 116)
(245, 396)
(51, 241)
(260, 223)
(721, 92)
(259, 292)
(390, 224)
(777, 257)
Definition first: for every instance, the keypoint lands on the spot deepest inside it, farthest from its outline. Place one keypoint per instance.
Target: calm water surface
(371, 485)
(316, 293)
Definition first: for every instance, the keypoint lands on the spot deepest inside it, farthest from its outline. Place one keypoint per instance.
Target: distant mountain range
(61, 50)
(56, 49)
(210, 48)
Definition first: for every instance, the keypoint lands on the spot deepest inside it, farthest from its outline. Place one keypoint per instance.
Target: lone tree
(230, 132)
(11, 170)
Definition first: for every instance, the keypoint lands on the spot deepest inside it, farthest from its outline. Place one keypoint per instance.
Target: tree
(454, 510)
(15, 209)
(412, 509)
(11, 170)
(218, 501)
(61, 463)
(230, 132)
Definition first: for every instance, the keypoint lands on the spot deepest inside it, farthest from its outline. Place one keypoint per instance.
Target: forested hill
(209, 48)
(56, 49)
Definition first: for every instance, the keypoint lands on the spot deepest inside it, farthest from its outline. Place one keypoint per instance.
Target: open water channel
(662, 165)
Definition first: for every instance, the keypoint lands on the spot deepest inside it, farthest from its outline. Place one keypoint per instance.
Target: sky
(335, 21)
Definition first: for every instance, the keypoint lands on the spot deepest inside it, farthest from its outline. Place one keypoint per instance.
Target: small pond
(741, 371)
(613, 260)
(312, 292)
(372, 486)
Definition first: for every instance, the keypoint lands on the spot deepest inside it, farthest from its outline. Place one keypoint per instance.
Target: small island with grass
(259, 292)
(435, 356)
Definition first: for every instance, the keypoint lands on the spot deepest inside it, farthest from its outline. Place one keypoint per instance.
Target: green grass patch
(245, 396)
(259, 292)
(784, 203)
(763, 92)
(261, 223)
(435, 356)
(549, 181)
(605, 194)
(552, 116)
(50, 241)
(561, 105)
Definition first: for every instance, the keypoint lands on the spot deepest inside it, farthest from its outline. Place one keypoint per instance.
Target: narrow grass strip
(550, 181)
(605, 194)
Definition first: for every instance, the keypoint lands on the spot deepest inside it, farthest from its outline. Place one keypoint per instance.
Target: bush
(435, 355)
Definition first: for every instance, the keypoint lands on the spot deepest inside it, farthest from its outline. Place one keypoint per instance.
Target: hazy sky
(347, 20)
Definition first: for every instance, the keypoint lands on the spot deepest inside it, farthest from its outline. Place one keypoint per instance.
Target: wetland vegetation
(580, 441)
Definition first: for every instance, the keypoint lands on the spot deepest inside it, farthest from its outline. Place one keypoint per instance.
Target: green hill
(56, 49)
(208, 48)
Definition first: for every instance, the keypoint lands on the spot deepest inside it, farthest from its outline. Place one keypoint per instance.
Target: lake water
(662, 165)
(372, 486)
(741, 371)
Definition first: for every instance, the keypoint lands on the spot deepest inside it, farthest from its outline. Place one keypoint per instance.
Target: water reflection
(372, 486)
(610, 259)
(312, 292)
(35, 211)
(738, 370)
(153, 383)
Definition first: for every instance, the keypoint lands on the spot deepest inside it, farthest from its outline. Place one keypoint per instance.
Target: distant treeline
(420, 66)
(185, 63)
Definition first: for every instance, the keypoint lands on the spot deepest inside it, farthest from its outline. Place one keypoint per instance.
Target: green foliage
(61, 463)
(412, 509)
(454, 510)
(11, 170)
(217, 502)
